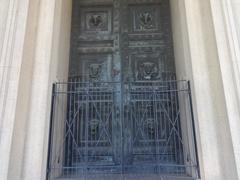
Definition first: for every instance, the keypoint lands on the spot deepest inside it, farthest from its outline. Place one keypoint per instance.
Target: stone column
(203, 103)
(235, 4)
(212, 89)
(227, 31)
(13, 18)
(34, 163)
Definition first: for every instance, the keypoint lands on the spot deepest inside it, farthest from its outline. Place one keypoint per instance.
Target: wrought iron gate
(123, 113)
(151, 134)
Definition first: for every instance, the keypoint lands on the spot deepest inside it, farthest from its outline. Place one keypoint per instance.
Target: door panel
(121, 41)
(96, 67)
(148, 41)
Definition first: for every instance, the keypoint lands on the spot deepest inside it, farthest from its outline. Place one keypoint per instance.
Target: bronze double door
(114, 43)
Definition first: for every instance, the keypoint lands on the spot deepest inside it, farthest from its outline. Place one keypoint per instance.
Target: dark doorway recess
(122, 114)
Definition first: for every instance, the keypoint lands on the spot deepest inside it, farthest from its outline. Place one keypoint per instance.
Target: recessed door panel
(121, 42)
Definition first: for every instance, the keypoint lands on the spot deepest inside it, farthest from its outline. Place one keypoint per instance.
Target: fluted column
(13, 19)
(34, 165)
(214, 90)
(236, 16)
(227, 31)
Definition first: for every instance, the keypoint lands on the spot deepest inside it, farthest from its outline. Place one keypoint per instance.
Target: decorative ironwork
(123, 114)
(97, 128)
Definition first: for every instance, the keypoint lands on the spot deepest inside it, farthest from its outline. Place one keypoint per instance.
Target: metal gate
(127, 130)
(123, 114)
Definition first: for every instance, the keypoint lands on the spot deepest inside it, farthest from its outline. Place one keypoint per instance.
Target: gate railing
(127, 128)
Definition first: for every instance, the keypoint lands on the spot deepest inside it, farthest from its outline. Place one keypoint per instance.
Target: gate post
(51, 124)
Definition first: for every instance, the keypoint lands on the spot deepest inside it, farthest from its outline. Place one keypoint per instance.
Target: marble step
(127, 177)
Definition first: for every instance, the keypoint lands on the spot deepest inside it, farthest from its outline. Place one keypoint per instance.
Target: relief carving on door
(148, 71)
(146, 66)
(95, 67)
(117, 43)
(150, 126)
(97, 21)
(95, 71)
(146, 20)
(94, 125)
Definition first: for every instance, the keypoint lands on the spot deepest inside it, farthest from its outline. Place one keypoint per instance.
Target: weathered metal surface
(122, 99)
(135, 34)
(138, 129)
